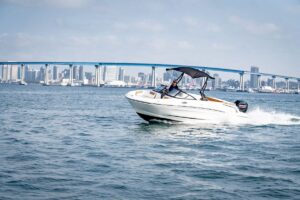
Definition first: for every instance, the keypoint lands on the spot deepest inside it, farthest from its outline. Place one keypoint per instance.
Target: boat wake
(263, 117)
(256, 117)
(259, 117)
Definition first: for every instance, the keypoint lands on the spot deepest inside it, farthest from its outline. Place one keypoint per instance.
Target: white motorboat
(173, 104)
(22, 83)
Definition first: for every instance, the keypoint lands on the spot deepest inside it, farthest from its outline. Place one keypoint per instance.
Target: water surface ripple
(87, 143)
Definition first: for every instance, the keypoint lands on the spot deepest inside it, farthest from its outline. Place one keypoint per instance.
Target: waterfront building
(81, 74)
(133, 79)
(110, 73)
(89, 76)
(167, 76)
(14, 72)
(9, 73)
(26, 72)
(75, 73)
(34, 74)
(217, 82)
(41, 75)
(19, 73)
(121, 74)
(127, 79)
(55, 73)
(270, 82)
(5, 73)
(148, 79)
(141, 77)
(66, 73)
(253, 77)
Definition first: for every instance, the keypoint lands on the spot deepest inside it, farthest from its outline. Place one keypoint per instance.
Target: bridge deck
(123, 64)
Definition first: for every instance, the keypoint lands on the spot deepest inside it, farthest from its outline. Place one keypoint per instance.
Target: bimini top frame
(194, 73)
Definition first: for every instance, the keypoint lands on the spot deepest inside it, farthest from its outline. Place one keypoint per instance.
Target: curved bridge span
(98, 65)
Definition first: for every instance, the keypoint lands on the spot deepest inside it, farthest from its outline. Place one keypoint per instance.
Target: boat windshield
(174, 92)
(160, 88)
(180, 94)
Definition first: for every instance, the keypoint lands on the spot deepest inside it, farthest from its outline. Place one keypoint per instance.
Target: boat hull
(181, 110)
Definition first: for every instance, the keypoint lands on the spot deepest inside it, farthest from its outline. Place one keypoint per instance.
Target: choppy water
(87, 143)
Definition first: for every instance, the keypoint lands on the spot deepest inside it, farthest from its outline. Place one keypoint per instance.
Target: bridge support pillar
(242, 82)
(259, 81)
(46, 82)
(298, 85)
(22, 73)
(71, 75)
(153, 82)
(274, 82)
(287, 85)
(97, 75)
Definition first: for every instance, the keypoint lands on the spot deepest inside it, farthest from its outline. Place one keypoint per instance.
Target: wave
(259, 116)
(255, 117)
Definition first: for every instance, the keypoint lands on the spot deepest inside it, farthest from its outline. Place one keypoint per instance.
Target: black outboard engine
(242, 105)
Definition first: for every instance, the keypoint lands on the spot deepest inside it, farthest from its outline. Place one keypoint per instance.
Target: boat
(176, 105)
(266, 89)
(22, 83)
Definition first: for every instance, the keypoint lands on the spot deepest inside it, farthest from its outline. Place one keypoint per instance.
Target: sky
(218, 33)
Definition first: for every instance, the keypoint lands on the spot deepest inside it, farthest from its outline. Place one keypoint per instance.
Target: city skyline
(231, 34)
(113, 74)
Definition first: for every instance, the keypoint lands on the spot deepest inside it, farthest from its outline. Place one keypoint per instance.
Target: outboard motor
(242, 105)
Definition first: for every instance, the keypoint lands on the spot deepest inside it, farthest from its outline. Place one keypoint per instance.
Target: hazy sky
(228, 33)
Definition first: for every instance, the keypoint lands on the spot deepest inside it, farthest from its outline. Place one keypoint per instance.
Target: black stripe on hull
(150, 118)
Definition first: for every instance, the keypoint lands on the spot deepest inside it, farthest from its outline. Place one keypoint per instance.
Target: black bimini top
(192, 72)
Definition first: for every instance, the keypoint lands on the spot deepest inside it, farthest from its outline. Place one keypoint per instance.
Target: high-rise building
(26, 72)
(142, 77)
(32, 75)
(81, 75)
(9, 73)
(217, 82)
(5, 73)
(167, 76)
(19, 72)
(270, 82)
(121, 74)
(89, 77)
(75, 73)
(65, 73)
(254, 77)
(55, 73)
(126, 79)
(14, 72)
(110, 73)
(170, 75)
(41, 76)
(132, 79)
(1, 67)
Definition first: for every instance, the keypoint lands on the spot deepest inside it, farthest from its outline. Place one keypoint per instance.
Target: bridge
(98, 66)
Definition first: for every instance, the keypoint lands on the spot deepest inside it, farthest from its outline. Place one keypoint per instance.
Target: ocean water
(88, 143)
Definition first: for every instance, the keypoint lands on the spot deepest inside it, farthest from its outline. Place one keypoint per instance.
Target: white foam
(264, 117)
(256, 117)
